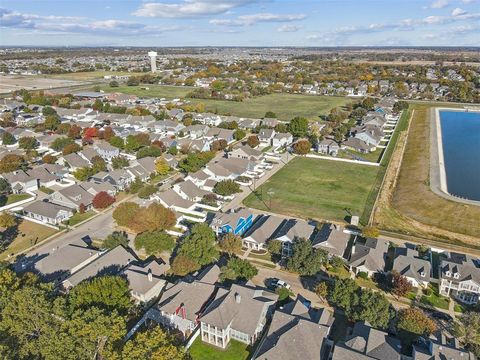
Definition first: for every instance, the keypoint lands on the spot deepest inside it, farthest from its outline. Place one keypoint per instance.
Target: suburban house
(247, 153)
(408, 263)
(460, 277)
(261, 232)
(220, 134)
(235, 221)
(145, 282)
(111, 262)
(20, 181)
(239, 313)
(47, 212)
(442, 347)
(297, 329)
(63, 261)
(72, 197)
(105, 150)
(266, 135)
(281, 139)
(119, 178)
(74, 161)
(189, 191)
(369, 256)
(329, 147)
(366, 342)
(290, 230)
(358, 145)
(181, 304)
(333, 239)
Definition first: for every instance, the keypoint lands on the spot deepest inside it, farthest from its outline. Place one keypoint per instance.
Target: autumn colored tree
(71, 148)
(400, 285)
(159, 144)
(161, 166)
(322, 290)
(108, 133)
(230, 243)
(125, 212)
(82, 208)
(153, 217)
(413, 323)
(302, 147)
(102, 200)
(7, 220)
(218, 145)
(28, 143)
(75, 132)
(91, 132)
(370, 232)
(49, 159)
(183, 265)
(253, 141)
(10, 162)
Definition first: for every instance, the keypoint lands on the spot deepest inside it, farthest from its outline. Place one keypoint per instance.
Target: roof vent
(150, 277)
(238, 298)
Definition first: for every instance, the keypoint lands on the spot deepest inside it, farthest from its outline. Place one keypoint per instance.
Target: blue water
(461, 151)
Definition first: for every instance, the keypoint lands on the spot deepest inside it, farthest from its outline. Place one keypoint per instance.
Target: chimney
(238, 298)
(150, 277)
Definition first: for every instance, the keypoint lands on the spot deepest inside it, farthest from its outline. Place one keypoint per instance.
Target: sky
(240, 23)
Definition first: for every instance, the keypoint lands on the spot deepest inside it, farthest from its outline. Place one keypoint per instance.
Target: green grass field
(234, 351)
(156, 91)
(286, 106)
(317, 189)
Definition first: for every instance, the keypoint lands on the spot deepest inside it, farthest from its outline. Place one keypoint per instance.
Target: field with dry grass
(408, 206)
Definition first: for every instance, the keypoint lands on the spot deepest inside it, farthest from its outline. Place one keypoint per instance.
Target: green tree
(238, 269)
(270, 115)
(105, 292)
(344, 294)
(146, 191)
(195, 161)
(200, 245)
(113, 83)
(8, 139)
(98, 164)
(60, 143)
(275, 247)
(226, 188)
(135, 186)
(154, 242)
(117, 141)
(51, 122)
(305, 259)
(230, 243)
(120, 162)
(467, 330)
(152, 151)
(5, 187)
(153, 344)
(115, 239)
(125, 212)
(298, 127)
(82, 174)
(372, 307)
(239, 134)
(28, 143)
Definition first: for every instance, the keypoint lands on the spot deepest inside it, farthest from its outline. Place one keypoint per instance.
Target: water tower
(153, 60)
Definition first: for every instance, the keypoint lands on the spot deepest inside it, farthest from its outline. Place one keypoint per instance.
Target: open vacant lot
(9, 83)
(286, 106)
(317, 189)
(413, 209)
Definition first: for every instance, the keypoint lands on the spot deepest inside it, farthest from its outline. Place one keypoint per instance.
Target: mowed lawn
(317, 189)
(28, 233)
(234, 351)
(155, 91)
(286, 106)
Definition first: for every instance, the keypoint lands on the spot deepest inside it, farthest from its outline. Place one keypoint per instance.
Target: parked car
(275, 283)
